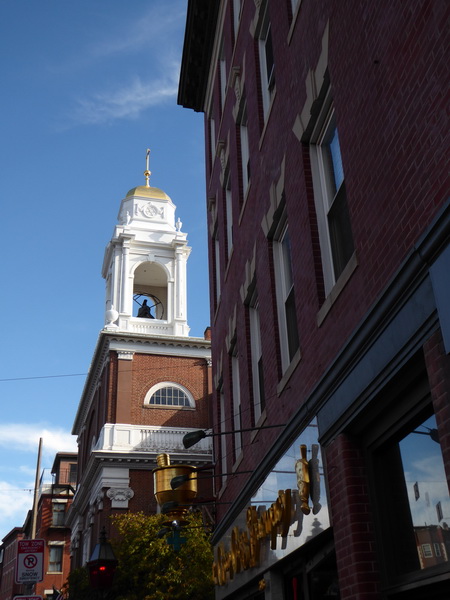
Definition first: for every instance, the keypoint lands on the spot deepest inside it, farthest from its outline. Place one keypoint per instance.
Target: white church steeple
(145, 265)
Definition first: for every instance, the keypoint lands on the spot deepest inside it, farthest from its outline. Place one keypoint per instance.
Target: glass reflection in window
(428, 495)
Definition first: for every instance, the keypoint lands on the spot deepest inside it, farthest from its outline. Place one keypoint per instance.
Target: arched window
(169, 394)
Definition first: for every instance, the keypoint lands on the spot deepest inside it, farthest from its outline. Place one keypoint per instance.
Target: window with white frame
(294, 4)
(287, 315)
(216, 251)
(228, 210)
(245, 152)
(257, 357)
(55, 557)
(223, 428)
(222, 75)
(266, 59)
(237, 409)
(169, 394)
(335, 233)
(237, 7)
(212, 139)
(58, 513)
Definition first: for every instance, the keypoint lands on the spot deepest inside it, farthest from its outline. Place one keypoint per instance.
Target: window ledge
(260, 422)
(287, 374)
(337, 289)
(238, 461)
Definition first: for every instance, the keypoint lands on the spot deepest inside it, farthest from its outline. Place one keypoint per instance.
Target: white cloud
(15, 502)
(126, 102)
(24, 437)
(155, 27)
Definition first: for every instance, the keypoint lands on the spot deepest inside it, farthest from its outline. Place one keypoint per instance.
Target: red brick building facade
(149, 382)
(8, 559)
(326, 134)
(54, 500)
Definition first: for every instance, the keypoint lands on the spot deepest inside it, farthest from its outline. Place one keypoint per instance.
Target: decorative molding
(99, 500)
(125, 354)
(149, 210)
(313, 84)
(120, 496)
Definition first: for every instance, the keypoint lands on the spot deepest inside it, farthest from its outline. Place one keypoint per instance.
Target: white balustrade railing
(121, 437)
(146, 326)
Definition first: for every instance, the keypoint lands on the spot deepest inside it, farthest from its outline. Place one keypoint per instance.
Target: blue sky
(87, 86)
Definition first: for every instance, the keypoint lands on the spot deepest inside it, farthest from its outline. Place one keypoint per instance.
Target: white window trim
(236, 383)
(229, 210)
(323, 195)
(56, 545)
(281, 294)
(223, 440)
(237, 11)
(245, 159)
(217, 273)
(164, 384)
(223, 76)
(245, 149)
(256, 354)
(212, 139)
(267, 87)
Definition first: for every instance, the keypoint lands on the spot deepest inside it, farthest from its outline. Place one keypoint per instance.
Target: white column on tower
(124, 286)
(115, 278)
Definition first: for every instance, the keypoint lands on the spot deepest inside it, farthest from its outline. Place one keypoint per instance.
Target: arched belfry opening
(150, 290)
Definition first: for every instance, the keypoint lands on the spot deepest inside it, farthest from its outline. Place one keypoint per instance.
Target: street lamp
(193, 437)
(102, 565)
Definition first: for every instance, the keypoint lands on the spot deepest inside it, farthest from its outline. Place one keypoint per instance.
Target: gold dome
(148, 192)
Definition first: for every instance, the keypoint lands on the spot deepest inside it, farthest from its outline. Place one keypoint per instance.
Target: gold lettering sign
(245, 545)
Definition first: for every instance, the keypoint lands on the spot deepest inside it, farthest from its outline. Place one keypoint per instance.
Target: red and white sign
(30, 561)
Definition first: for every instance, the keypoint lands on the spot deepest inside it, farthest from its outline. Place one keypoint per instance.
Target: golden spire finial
(147, 172)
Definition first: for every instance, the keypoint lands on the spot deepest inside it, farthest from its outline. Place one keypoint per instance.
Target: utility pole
(36, 492)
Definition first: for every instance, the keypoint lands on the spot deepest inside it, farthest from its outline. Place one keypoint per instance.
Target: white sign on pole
(30, 561)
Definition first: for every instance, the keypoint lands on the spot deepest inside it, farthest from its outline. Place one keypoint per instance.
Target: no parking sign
(30, 561)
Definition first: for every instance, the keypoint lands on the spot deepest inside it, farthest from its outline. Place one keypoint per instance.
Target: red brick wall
(352, 520)
(387, 63)
(388, 70)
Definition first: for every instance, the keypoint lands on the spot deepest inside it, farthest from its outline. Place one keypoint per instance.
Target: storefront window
(428, 496)
(413, 499)
(285, 513)
(301, 471)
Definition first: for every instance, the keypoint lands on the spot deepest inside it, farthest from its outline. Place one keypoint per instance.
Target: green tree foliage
(77, 585)
(150, 569)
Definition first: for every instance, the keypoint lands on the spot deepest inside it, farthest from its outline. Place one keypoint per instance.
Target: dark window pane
(341, 237)
(291, 324)
(269, 60)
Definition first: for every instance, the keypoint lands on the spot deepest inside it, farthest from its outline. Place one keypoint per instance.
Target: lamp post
(102, 566)
(193, 437)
